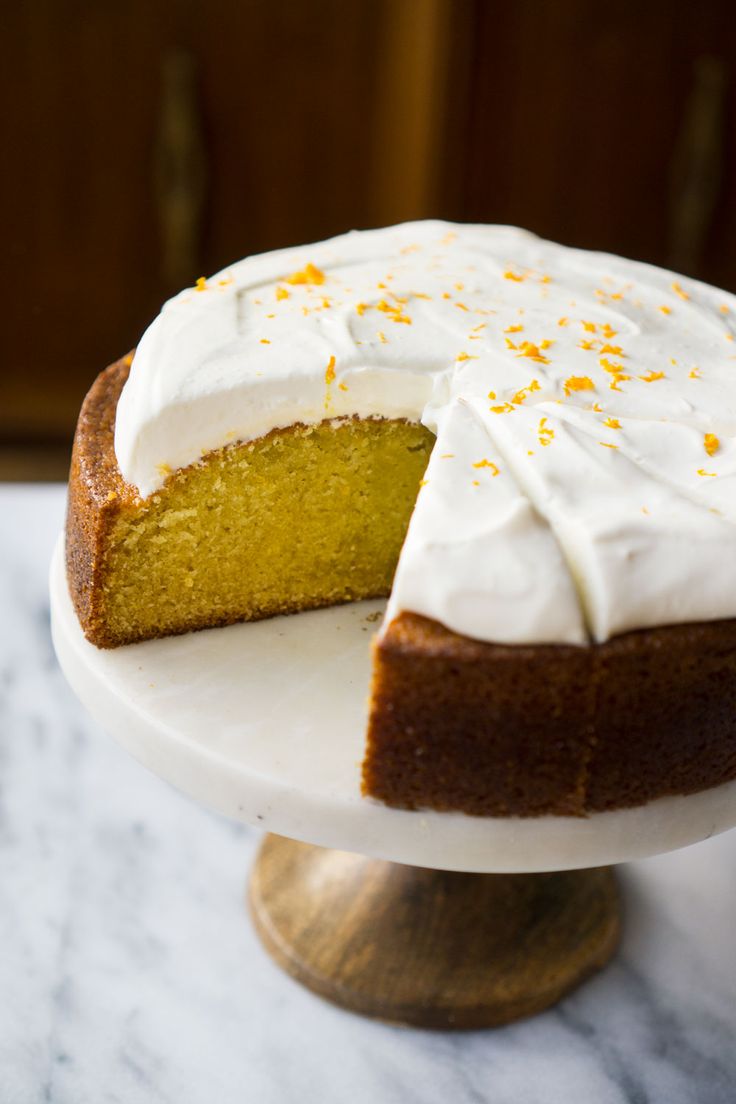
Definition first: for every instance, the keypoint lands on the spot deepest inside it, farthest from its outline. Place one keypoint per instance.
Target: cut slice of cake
(305, 516)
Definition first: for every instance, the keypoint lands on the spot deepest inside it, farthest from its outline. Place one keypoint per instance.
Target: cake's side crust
(493, 730)
(95, 497)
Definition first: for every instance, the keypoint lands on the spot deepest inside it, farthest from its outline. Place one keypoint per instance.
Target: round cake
(530, 448)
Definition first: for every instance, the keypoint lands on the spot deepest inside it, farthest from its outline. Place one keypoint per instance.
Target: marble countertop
(129, 972)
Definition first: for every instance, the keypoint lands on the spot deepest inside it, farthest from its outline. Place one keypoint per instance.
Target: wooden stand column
(428, 947)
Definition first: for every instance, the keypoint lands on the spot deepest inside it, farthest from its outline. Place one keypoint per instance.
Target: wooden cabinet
(148, 143)
(606, 126)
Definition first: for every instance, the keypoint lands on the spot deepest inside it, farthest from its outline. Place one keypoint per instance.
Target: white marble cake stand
(265, 722)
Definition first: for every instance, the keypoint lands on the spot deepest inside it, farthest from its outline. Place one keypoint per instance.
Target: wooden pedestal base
(428, 947)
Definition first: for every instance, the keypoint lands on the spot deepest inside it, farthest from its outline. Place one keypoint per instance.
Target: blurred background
(150, 142)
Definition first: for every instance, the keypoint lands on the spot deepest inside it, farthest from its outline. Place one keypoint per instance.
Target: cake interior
(304, 517)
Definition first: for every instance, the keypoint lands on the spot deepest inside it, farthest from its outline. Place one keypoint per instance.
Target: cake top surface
(583, 479)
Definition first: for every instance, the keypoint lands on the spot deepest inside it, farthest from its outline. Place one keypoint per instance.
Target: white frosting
(529, 528)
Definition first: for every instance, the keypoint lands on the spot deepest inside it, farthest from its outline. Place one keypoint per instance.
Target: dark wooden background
(149, 142)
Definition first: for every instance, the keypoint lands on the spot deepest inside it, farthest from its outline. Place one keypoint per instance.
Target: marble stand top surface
(129, 972)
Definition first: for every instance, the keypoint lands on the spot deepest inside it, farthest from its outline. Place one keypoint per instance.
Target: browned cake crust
(496, 730)
(97, 492)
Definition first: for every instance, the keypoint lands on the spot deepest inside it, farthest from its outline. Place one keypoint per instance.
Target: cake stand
(434, 919)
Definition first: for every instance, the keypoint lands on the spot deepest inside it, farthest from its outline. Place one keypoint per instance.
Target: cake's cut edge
(302, 517)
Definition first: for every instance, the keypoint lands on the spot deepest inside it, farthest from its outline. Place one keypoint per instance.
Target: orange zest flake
(578, 383)
(546, 344)
(589, 327)
(394, 312)
(461, 306)
(459, 287)
(201, 284)
(330, 371)
(514, 329)
(588, 343)
(607, 445)
(509, 275)
(563, 321)
(479, 327)
(613, 350)
(709, 475)
(522, 394)
(361, 308)
(597, 407)
(382, 337)
(665, 309)
(644, 510)
(491, 394)
(465, 356)
(507, 408)
(679, 290)
(544, 433)
(510, 344)
(612, 423)
(652, 377)
(342, 386)
(310, 274)
(446, 295)
(381, 285)
(265, 341)
(711, 444)
(545, 279)
(225, 282)
(723, 308)
(615, 370)
(608, 331)
(530, 350)
(128, 360)
(495, 470)
(694, 373)
(476, 483)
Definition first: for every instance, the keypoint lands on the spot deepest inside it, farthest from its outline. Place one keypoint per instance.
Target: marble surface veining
(129, 972)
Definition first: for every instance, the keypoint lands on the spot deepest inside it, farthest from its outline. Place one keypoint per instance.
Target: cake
(530, 449)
